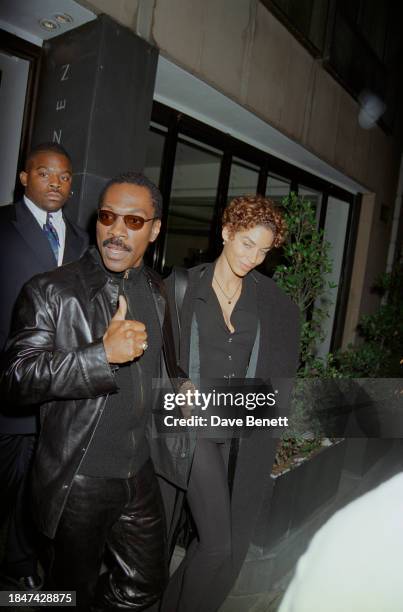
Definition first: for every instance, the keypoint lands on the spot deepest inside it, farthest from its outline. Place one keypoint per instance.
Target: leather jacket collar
(97, 276)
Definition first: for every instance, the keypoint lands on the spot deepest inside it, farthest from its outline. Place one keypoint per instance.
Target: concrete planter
(363, 453)
(295, 495)
(281, 538)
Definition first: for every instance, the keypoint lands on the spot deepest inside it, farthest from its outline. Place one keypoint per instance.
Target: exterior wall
(123, 11)
(242, 50)
(245, 52)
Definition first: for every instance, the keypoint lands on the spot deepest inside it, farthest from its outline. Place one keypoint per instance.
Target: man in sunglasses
(86, 343)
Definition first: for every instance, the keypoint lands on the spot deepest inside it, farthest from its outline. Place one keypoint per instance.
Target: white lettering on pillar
(65, 71)
(57, 136)
(61, 104)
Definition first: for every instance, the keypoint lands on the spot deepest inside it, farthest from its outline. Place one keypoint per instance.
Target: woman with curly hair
(233, 323)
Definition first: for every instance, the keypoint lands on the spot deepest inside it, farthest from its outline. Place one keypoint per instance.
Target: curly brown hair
(248, 211)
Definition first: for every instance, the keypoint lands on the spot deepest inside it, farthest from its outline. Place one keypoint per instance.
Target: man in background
(35, 237)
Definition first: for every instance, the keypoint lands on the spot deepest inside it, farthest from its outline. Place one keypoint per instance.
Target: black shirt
(224, 354)
(119, 447)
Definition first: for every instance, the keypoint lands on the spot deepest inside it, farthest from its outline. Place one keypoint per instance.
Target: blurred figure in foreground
(354, 562)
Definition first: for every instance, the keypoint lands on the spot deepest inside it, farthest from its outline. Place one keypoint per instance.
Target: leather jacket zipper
(139, 369)
(137, 363)
(101, 411)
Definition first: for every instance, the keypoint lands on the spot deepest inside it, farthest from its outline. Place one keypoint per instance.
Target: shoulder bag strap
(181, 282)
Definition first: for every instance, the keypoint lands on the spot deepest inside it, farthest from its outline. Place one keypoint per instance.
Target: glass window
(277, 187)
(192, 202)
(308, 17)
(315, 197)
(350, 9)
(373, 24)
(154, 152)
(14, 73)
(191, 236)
(318, 23)
(243, 179)
(335, 232)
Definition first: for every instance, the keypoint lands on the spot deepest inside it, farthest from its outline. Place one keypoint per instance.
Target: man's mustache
(117, 242)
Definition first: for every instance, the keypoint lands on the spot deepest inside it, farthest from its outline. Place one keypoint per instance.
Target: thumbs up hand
(124, 340)
(120, 314)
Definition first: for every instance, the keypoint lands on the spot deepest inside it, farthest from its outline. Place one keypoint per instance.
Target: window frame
(18, 47)
(179, 124)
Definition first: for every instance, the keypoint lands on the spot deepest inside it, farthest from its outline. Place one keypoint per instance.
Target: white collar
(40, 214)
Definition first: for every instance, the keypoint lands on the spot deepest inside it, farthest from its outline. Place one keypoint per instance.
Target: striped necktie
(51, 235)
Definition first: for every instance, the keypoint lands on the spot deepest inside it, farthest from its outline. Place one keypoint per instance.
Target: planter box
(363, 453)
(292, 497)
(278, 544)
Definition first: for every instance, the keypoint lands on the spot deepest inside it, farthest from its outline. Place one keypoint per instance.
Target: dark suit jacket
(279, 317)
(24, 252)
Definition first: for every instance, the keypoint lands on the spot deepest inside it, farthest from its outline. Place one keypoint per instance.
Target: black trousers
(225, 524)
(118, 521)
(16, 453)
(209, 556)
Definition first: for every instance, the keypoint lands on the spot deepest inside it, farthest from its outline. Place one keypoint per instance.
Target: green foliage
(294, 448)
(380, 354)
(303, 274)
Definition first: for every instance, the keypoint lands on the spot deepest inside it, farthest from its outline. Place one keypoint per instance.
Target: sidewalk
(264, 579)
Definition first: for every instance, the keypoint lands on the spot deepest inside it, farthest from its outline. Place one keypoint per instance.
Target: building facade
(256, 96)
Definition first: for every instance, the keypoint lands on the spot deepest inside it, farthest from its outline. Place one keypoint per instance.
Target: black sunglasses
(133, 222)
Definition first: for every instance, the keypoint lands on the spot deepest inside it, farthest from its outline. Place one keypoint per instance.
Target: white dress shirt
(57, 221)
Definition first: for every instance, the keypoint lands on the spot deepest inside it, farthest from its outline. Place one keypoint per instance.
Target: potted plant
(305, 474)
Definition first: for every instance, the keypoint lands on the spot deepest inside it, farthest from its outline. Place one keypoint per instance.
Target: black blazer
(24, 252)
(277, 362)
(279, 316)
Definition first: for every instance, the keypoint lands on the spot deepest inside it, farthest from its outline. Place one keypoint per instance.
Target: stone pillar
(95, 99)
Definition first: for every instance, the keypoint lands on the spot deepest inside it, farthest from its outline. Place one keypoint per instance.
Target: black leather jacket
(55, 357)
